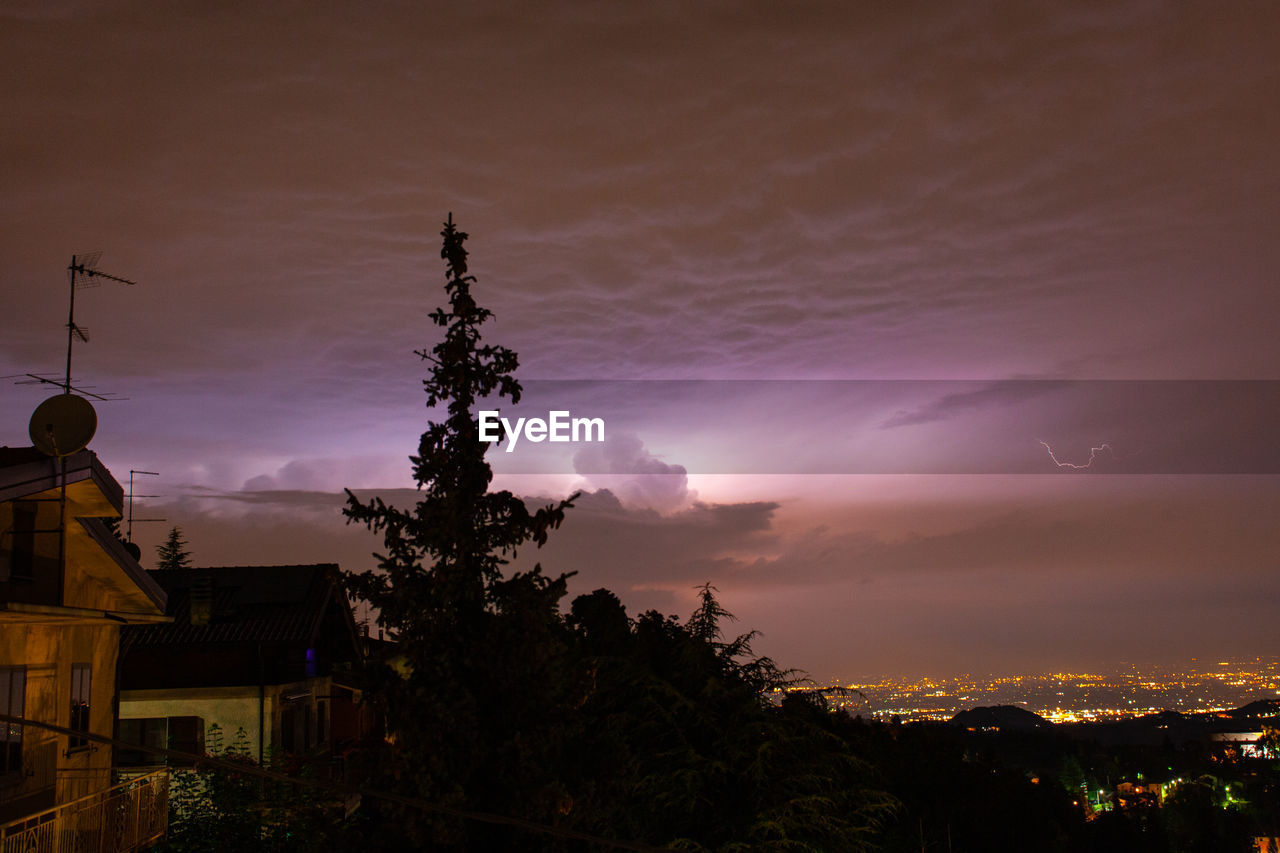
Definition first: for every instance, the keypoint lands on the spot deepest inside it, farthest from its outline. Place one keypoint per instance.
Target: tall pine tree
(644, 730)
(472, 709)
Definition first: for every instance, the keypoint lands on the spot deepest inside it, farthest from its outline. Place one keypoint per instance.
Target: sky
(858, 289)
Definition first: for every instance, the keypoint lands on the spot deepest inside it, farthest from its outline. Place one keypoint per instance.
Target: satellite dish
(62, 425)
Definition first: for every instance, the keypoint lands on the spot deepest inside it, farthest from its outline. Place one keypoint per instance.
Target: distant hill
(1161, 727)
(1000, 718)
(1260, 709)
(1175, 728)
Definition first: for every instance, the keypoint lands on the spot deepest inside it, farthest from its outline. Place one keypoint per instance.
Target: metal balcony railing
(124, 817)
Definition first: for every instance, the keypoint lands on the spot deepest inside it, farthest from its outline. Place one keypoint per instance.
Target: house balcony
(125, 817)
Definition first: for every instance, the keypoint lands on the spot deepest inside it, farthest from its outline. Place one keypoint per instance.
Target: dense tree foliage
(215, 810)
(645, 730)
(687, 750)
(476, 701)
(514, 724)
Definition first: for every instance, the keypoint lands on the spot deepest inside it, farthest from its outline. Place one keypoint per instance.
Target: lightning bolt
(1093, 456)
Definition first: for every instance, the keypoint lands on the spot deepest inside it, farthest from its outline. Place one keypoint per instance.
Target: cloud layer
(725, 191)
(1035, 572)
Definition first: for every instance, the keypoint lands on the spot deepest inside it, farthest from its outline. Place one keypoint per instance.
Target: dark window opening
(22, 565)
(146, 731)
(184, 734)
(297, 727)
(80, 682)
(13, 691)
(288, 733)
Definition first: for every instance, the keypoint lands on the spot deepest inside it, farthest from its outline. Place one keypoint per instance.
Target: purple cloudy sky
(1021, 202)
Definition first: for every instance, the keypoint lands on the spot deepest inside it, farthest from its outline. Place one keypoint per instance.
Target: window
(24, 541)
(80, 673)
(289, 729)
(13, 691)
(185, 734)
(146, 731)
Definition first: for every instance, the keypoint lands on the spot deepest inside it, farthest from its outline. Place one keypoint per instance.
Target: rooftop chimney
(201, 599)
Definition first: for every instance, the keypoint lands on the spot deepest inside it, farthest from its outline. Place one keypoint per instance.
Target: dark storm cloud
(841, 190)
(650, 549)
(281, 499)
(1115, 529)
(718, 191)
(901, 427)
(1093, 572)
(1059, 573)
(996, 394)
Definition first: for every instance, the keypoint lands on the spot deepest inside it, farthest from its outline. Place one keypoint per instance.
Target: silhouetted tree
(689, 751)
(173, 553)
(651, 730)
(475, 708)
(1196, 820)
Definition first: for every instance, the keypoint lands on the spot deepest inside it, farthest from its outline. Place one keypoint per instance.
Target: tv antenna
(128, 533)
(84, 273)
(83, 270)
(82, 390)
(65, 423)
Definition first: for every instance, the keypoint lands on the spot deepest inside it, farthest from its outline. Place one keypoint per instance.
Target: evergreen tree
(651, 731)
(173, 554)
(689, 753)
(472, 710)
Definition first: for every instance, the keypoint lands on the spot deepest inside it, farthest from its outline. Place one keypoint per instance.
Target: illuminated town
(1067, 697)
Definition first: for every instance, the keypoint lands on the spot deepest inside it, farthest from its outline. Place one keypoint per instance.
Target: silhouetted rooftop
(19, 455)
(248, 603)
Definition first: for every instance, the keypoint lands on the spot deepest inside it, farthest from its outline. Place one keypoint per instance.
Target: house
(67, 587)
(1241, 744)
(267, 653)
(1137, 795)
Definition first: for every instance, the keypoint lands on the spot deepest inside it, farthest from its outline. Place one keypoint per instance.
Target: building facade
(67, 587)
(265, 658)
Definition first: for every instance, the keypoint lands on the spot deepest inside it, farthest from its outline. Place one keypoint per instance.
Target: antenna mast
(128, 534)
(84, 266)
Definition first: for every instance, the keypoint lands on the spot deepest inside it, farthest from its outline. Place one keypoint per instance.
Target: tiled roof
(249, 603)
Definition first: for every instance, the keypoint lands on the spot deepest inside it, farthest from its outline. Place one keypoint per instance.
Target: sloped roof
(98, 531)
(92, 494)
(275, 604)
(26, 471)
